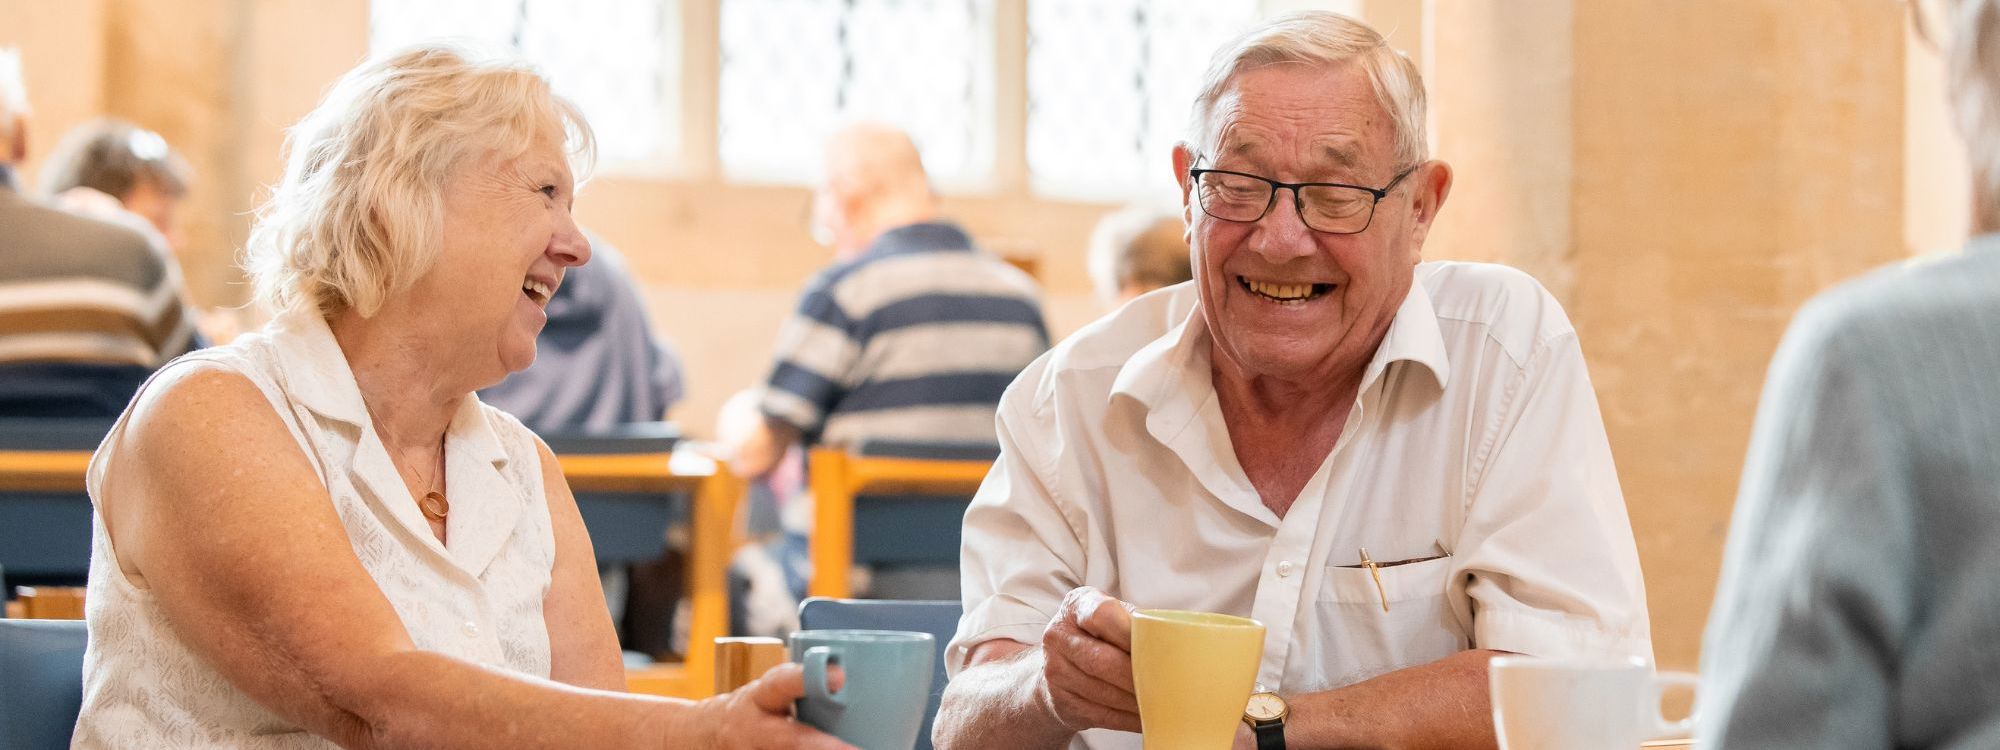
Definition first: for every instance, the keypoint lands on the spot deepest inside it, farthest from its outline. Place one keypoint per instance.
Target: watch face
(1265, 707)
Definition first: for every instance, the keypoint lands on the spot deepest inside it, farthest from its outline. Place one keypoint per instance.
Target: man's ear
(1183, 161)
(1432, 185)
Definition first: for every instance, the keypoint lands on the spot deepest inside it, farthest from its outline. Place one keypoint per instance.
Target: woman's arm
(583, 645)
(226, 522)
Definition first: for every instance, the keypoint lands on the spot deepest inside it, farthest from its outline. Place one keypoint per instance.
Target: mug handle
(815, 664)
(1663, 729)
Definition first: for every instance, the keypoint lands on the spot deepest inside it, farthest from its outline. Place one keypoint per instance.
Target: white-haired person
(1316, 409)
(1858, 606)
(317, 536)
(1138, 249)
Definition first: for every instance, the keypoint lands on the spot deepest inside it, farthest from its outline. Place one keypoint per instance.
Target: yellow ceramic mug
(1193, 672)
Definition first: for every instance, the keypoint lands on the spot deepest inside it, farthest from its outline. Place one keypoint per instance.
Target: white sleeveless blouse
(478, 598)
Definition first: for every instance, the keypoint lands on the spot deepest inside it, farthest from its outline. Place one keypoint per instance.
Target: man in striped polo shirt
(910, 336)
(88, 309)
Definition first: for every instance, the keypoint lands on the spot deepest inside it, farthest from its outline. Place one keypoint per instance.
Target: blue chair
(41, 682)
(624, 526)
(44, 531)
(938, 618)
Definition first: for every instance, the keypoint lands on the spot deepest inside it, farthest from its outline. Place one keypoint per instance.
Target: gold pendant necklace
(434, 505)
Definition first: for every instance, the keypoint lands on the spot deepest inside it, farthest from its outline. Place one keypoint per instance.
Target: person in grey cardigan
(1860, 594)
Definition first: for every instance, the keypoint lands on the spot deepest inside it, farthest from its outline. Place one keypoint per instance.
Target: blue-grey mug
(885, 684)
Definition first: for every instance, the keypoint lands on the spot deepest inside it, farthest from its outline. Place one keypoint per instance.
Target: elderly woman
(317, 536)
(1858, 606)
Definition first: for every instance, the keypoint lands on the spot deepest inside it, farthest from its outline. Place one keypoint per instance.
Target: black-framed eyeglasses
(1330, 207)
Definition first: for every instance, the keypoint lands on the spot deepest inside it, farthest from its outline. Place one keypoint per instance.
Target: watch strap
(1270, 735)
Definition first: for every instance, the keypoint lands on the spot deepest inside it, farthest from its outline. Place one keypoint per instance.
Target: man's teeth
(1280, 291)
(536, 288)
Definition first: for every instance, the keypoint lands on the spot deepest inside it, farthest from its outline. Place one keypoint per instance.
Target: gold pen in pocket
(1375, 569)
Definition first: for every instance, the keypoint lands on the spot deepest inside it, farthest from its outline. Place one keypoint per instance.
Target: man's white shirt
(1476, 437)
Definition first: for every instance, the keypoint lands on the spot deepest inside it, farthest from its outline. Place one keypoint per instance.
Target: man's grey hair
(13, 92)
(1971, 48)
(1328, 39)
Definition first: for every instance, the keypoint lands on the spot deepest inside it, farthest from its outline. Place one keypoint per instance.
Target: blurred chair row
(41, 663)
(885, 504)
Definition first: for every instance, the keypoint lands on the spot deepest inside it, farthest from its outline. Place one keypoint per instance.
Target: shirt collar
(1177, 363)
(317, 376)
(929, 236)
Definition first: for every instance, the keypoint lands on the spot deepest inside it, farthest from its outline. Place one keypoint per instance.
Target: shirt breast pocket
(1360, 640)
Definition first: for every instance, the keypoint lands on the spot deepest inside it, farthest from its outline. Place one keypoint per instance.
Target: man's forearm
(1442, 705)
(999, 704)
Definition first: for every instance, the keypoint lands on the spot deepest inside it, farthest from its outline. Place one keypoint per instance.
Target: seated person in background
(598, 364)
(910, 336)
(88, 309)
(1137, 250)
(1317, 407)
(317, 535)
(1857, 604)
(113, 170)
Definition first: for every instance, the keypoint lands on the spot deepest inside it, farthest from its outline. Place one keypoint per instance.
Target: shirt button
(471, 629)
(1284, 568)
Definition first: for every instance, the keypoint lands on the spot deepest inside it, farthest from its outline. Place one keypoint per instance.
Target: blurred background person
(1136, 250)
(1857, 601)
(910, 336)
(113, 170)
(598, 363)
(88, 309)
(318, 535)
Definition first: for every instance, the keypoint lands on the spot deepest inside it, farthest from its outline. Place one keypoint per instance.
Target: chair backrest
(890, 504)
(41, 682)
(624, 526)
(44, 511)
(938, 618)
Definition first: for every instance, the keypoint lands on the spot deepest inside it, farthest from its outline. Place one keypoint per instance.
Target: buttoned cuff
(995, 618)
(1553, 635)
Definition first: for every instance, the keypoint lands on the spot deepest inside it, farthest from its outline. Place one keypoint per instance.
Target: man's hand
(1087, 663)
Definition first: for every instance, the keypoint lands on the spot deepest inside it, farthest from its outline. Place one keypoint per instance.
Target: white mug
(1581, 704)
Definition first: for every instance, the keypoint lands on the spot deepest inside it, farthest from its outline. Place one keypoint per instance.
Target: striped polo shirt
(87, 310)
(913, 341)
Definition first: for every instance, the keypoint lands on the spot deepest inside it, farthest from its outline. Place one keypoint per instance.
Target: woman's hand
(758, 716)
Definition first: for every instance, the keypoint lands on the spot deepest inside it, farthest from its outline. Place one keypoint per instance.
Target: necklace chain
(433, 503)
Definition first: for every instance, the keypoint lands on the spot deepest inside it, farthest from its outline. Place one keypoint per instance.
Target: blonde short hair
(359, 213)
(1329, 39)
(13, 91)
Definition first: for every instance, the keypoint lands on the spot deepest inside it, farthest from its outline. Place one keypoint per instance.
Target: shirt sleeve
(1545, 563)
(1816, 588)
(1021, 552)
(815, 357)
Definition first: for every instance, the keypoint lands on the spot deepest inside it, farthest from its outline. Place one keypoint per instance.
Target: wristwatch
(1265, 713)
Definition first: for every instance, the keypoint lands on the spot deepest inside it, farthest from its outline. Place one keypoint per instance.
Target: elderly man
(1398, 467)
